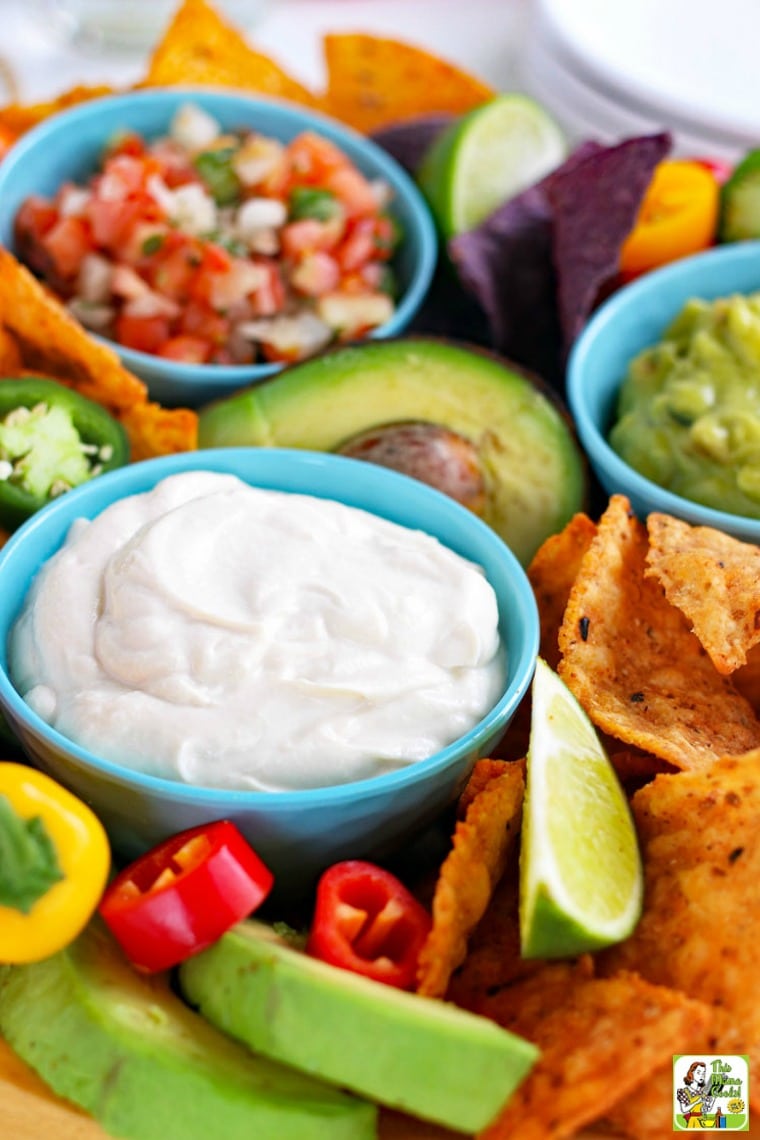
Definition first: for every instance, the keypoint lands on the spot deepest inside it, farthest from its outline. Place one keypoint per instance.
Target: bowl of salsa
(215, 238)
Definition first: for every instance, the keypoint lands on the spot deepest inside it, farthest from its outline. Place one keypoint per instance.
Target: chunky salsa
(210, 246)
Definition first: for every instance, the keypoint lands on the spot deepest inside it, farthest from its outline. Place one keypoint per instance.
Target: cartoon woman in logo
(694, 1098)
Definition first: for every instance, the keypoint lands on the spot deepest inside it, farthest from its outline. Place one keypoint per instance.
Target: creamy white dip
(227, 636)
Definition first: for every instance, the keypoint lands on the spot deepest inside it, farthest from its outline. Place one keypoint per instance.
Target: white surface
(482, 35)
(691, 65)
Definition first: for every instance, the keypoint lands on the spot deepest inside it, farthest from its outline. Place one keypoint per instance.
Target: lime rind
(488, 156)
(581, 880)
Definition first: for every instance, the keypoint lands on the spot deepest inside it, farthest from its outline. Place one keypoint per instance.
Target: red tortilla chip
(634, 664)
(373, 82)
(200, 49)
(714, 580)
(483, 843)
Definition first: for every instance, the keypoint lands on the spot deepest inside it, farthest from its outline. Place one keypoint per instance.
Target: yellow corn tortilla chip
(599, 1037)
(700, 842)
(483, 843)
(747, 678)
(484, 771)
(200, 49)
(648, 1110)
(52, 343)
(372, 81)
(17, 118)
(714, 580)
(11, 362)
(552, 572)
(634, 664)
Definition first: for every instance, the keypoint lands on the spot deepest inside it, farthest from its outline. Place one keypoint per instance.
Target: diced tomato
(199, 321)
(358, 247)
(310, 235)
(174, 270)
(316, 274)
(188, 349)
(113, 220)
(128, 143)
(35, 218)
(145, 334)
(269, 298)
(312, 158)
(386, 237)
(67, 244)
(353, 190)
(173, 163)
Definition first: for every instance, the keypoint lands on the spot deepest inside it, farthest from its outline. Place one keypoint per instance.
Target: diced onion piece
(352, 314)
(128, 284)
(240, 280)
(94, 279)
(93, 316)
(258, 160)
(289, 337)
(73, 201)
(193, 210)
(260, 214)
(193, 127)
(151, 304)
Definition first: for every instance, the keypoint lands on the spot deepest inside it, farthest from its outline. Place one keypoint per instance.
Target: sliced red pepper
(184, 894)
(366, 921)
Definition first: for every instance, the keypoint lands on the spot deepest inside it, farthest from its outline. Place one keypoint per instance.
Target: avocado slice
(428, 1058)
(128, 1050)
(533, 471)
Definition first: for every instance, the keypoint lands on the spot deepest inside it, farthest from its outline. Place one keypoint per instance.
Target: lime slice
(486, 157)
(581, 880)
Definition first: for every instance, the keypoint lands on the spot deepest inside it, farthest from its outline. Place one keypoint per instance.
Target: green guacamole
(689, 409)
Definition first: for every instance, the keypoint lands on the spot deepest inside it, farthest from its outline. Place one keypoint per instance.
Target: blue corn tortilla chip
(594, 207)
(540, 262)
(408, 141)
(506, 263)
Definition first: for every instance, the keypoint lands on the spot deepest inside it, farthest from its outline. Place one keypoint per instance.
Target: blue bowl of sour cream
(314, 647)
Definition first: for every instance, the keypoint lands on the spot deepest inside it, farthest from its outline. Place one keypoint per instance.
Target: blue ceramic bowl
(297, 833)
(68, 146)
(632, 320)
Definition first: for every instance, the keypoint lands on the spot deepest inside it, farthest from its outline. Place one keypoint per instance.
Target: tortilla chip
(373, 82)
(747, 679)
(200, 49)
(52, 343)
(11, 362)
(648, 1111)
(634, 664)
(18, 117)
(634, 769)
(599, 1037)
(481, 775)
(714, 580)
(700, 840)
(552, 573)
(483, 843)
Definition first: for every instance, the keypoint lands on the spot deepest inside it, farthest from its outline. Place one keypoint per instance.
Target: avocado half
(533, 471)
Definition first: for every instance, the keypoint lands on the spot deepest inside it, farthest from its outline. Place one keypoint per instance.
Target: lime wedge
(581, 880)
(486, 157)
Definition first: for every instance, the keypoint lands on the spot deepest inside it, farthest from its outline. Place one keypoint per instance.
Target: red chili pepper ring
(366, 921)
(184, 894)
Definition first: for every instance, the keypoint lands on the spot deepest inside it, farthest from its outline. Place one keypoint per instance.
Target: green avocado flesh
(533, 471)
(126, 1049)
(425, 1057)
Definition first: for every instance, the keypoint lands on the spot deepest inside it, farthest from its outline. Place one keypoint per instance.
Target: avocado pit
(435, 455)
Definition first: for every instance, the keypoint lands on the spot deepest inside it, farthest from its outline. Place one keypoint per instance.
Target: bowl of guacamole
(664, 387)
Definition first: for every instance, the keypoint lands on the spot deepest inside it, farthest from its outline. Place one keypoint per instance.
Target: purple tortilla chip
(594, 207)
(506, 263)
(408, 141)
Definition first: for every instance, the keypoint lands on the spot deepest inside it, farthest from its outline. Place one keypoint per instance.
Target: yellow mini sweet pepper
(54, 862)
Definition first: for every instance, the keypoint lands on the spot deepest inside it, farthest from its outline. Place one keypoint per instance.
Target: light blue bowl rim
(386, 168)
(361, 474)
(673, 277)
